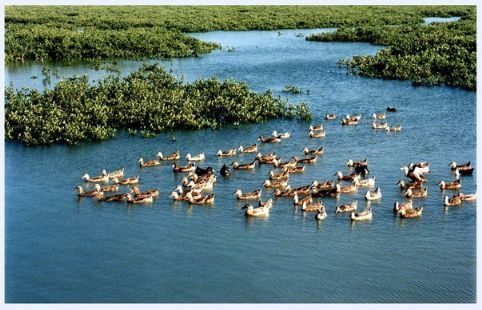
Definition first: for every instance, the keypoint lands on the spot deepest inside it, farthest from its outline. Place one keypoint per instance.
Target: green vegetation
(443, 53)
(149, 100)
(292, 89)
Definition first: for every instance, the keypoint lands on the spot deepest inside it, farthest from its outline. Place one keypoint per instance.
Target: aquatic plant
(149, 100)
(292, 89)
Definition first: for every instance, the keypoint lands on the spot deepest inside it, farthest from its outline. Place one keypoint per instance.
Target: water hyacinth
(149, 101)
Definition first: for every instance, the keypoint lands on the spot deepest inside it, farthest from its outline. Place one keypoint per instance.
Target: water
(431, 20)
(61, 249)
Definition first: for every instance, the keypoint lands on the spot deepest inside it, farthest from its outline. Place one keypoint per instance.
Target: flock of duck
(198, 181)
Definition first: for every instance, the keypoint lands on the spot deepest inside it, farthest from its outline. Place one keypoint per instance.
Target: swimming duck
(225, 171)
(248, 196)
(374, 195)
(280, 176)
(453, 165)
(391, 109)
(230, 152)
(298, 169)
(465, 171)
(345, 122)
(361, 163)
(348, 189)
(208, 199)
(370, 182)
(405, 186)
(80, 191)
(395, 128)
(269, 139)
(378, 116)
(204, 171)
(303, 190)
(330, 117)
(468, 197)
(287, 192)
(379, 126)
(256, 212)
(450, 185)
(114, 198)
(411, 213)
(266, 159)
(150, 163)
(289, 164)
(146, 199)
(318, 151)
(414, 175)
(177, 196)
(365, 215)
(126, 181)
(347, 208)
(195, 158)
(249, 149)
(420, 167)
(311, 207)
(297, 201)
(316, 134)
(174, 156)
(97, 179)
(267, 204)
(306, 160)
(348, 177)
(238, 166)
(454, 201)
(110, 188)
(321, 215)
(397, 207)
(189, 168)
(331, 192)
(150, 192)
(422, 193)
(285, 135)
(316, 127)
(323, 185)
(275, 184)
(116, 173)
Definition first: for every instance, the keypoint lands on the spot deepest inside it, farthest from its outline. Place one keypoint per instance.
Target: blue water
(431, 20)
(61, 249)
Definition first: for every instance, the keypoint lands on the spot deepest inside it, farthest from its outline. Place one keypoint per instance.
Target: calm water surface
(61, 249)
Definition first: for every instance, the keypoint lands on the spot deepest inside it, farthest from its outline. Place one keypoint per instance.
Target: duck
(269, 139)
(154, 192)
(347, 208)
(195, 190)
(150, 163)
(391, 109)
(370, 182)
(422, 193)
(379, 126)
(249, 149)
(395, 128)
(468, 197)
(267, 204)
(113, 198)
(177, 196)
(397, 206)
(414, 175)
(174, 156)
(284, 176)
(450, 185)
(110, 188)
(275, 184)
(454, 201)
(97, 179)
(201, 200)
(323, 185)
(303, 190)
(453, 165)
(230, 152)
(331, 192)
(140, 200)
(287, 192)
(405, 186)
(311, 207)
(199, 157)
(255, 195)
(204, 171)
(411, 213)
(238, 166)
(318, 151)
(266, 159)
(126, 181)
(285, 135)
(297, 169)
(321, 215)
(116, 173)
(316, 134)
(297, 201)
(378, 116)
(420, 167)
(350, 120)
(256, 212)
(374, 195)
(189, 168)
(465, 171)
(330, 116)
(316, 127)
(306, 160)
(348, 177)
(92, 193)
(349, 189)
(225, 171)
(365, 215)
(361, 163)
(290, 164)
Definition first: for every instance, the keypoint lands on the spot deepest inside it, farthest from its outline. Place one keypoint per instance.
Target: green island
(75, 111)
